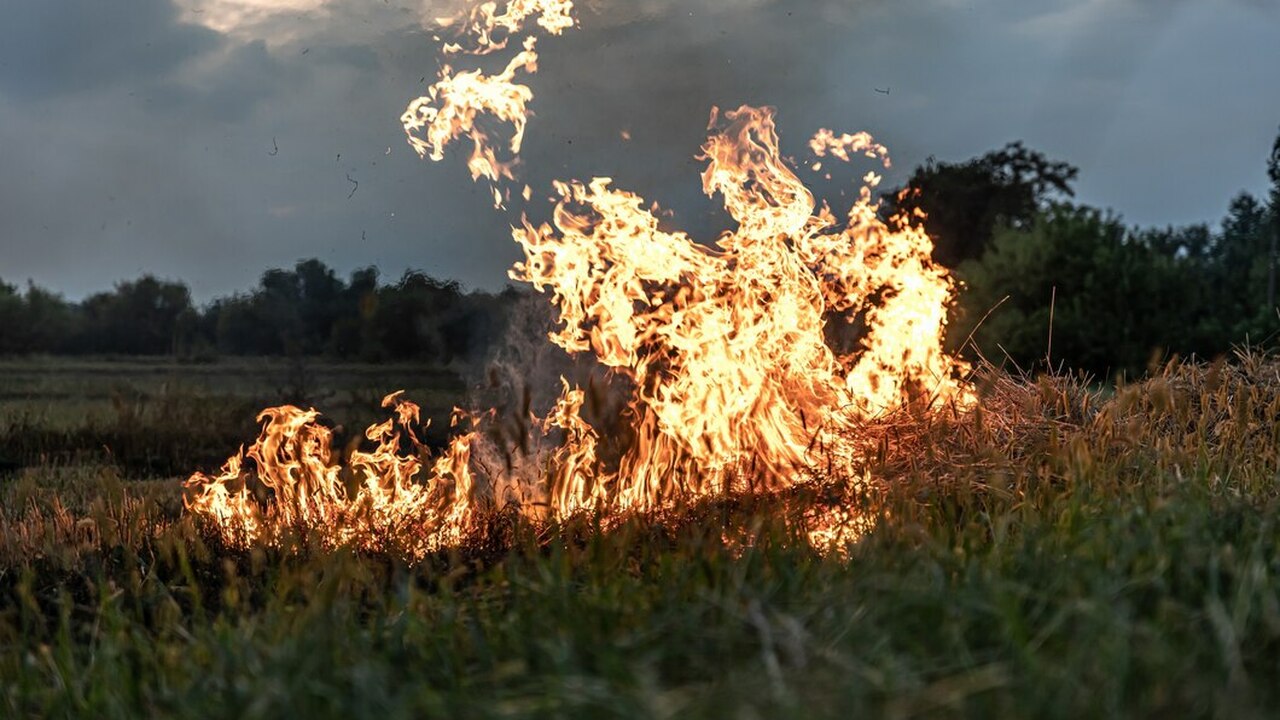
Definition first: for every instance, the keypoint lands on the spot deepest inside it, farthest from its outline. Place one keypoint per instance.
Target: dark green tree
(354, 333)
(13, 318)
(964, 202)
(320, 295)
(51, 322)
(412, 315)
(140, 317)
(1116, 299)
(1273, 172)
(1238, 271)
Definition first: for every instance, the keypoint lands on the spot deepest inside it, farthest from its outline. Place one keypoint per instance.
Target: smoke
(520, 383)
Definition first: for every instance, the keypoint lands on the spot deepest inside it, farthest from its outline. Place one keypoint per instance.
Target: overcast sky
(206, 140)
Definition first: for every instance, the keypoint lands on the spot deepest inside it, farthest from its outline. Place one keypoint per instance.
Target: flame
(458, 99)
(726, 346)
(725, 349)
(451, 107)
(306, 489)
(490, 28)
(832, 529)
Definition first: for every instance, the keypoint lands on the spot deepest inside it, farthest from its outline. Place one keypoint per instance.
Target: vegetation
(1070, 548)
(1059, 553)
(965, 202)
(1052, 283)
(307, 311)
(160, 418)
(1002, 221)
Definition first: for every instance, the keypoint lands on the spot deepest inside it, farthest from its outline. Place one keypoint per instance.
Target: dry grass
(1065, 550)
(1214, 421)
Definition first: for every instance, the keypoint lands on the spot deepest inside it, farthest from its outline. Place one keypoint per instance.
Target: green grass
(161, 418)
(1060, 554)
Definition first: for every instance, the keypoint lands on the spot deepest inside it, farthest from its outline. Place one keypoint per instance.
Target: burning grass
(1065, 550)
(773, 538)
(765, 541)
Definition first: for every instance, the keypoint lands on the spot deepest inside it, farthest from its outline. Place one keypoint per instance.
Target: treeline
(1049, 282)
(1046, 282)
(308, 310)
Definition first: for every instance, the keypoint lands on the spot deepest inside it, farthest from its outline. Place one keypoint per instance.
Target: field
(1063, 552)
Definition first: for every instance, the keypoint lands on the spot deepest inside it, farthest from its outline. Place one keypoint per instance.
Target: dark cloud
(227, 87)
(137, 142)
(59, 47)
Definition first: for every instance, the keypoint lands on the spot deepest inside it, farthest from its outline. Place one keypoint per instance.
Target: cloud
(58, 47)
(224, 86)
(288, 22)
(208, 139)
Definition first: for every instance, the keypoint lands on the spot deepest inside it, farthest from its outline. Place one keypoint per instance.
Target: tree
(146, 316)
(412, 315)
(1273, 172)
(965, 202)
(50, 321)
(354, 332)
(239, 329)
(320, 294)
(1115, 298)
(1239, 268)
(13, 320)
(306, 311)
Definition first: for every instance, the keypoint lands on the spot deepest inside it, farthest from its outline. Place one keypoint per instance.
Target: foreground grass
(1057, 555)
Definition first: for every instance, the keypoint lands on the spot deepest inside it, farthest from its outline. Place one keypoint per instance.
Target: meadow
(1064, 551)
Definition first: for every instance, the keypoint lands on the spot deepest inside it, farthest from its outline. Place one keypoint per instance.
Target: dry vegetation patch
(1066, 548)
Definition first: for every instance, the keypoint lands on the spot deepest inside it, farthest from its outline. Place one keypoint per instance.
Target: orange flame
(485, 23)
(452, 105)
(305, 489)
(726, 349)
(727, 346)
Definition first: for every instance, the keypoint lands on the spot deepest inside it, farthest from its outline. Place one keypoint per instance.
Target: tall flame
(726, 346)
(724, 349)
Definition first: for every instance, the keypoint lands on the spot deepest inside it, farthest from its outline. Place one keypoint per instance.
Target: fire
(726, 346)
(454, 104)
(725, 350)
(489, 28)
(373, 502)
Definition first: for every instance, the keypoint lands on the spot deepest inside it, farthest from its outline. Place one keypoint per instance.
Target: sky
(208, 140)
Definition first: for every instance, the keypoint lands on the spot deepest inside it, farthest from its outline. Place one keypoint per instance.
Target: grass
(164, 419)
(1059, 554)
